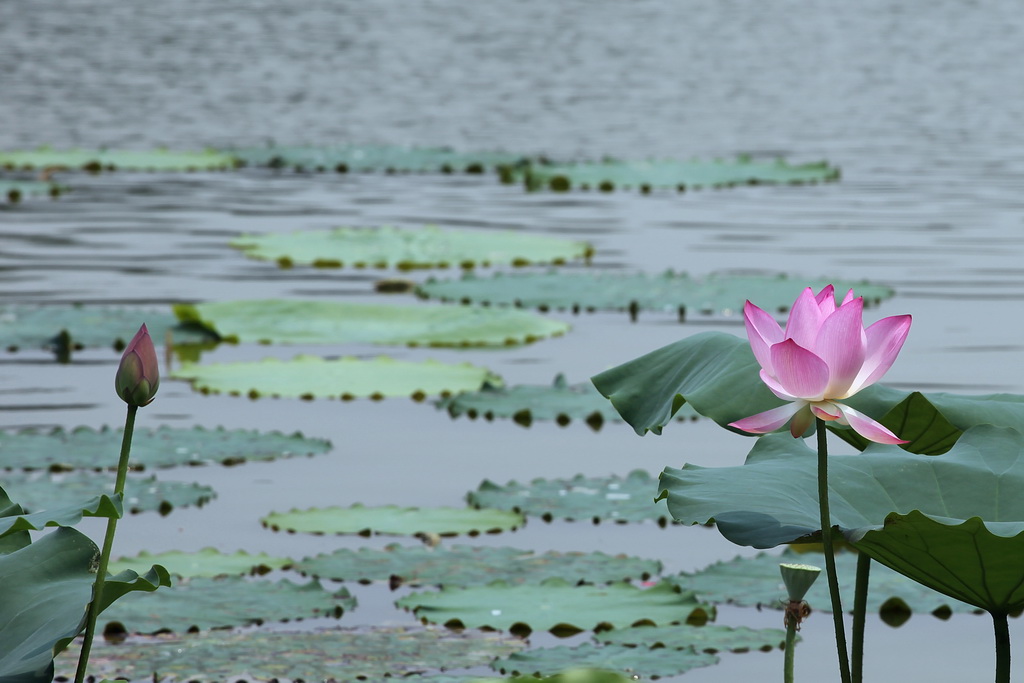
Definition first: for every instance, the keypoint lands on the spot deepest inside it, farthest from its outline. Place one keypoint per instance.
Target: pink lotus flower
(138, 375)
(824, 356)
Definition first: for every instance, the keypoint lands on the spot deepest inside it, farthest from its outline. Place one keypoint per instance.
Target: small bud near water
(138, 375)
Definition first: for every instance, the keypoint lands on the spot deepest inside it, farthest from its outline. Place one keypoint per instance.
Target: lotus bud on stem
(798, 579)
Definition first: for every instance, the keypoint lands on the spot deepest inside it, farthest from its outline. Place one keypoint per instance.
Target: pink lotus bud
(138, 376)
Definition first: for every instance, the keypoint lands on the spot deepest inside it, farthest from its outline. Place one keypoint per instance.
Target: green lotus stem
(860, 608)
(108, 543)
(830, 556)
(790, 655)
(1002, 647)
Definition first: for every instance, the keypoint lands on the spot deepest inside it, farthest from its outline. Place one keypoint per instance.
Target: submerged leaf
(637, 661)
(391, 519)
(110, 160)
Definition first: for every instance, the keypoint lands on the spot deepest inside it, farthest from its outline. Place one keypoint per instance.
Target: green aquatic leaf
(89, 327)
(706, 638)
(676, 175)
(205, 603)
(38, 490)
(87, 448)
(525, 403)
(556, 605)
(755, 582)
(66, 514)
(110, 160)
(343, 655)
(637, 661)
(409, 248)
(613, 499)
(391, 519)
(461, 565)
(714, 294)
(14, 191)
(347, 378)
(208, 562)
(286, 321)
(375, 158)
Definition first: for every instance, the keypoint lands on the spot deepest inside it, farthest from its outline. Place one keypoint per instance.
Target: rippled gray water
(920, 106)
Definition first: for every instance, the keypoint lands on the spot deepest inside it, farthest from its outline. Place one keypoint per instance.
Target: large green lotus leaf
(614, 498)
(14, 191)
(391, 519)
(461, 565)
(525, 403)
(311, 377)
(677, 175)
(707, 638)
(208, 562)
(87, 448)
(556, 605)
(640, 662)
(409, 248)
(64, 515)
(715, 294)
(280, 321)
(37, 491)
(756, 582)
(375, 158)
(205, 603)
(109, 160)
(89, 326)
(341, 654)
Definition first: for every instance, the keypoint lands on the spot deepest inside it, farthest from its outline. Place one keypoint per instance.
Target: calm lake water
(920, 107)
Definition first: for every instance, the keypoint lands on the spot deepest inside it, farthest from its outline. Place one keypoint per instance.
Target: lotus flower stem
(1002, 647)
(830, 557)
(790, 655)
(860, 608)
(108, 543)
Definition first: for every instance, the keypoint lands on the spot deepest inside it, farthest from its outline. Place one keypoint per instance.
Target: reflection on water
(917, 107)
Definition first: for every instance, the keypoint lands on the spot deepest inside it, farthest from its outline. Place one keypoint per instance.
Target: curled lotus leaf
(391, 519)
(14, 191)
(556, 605)
(639, 662)
(375, 158)
(706, 638)
(670, 174)
(714, 294)
(281, 321)
(208, 562)
(68, 328)
(39, 490)
(755, 582)
(207, 603)
(410, 248)
(344, 655)
(110, 160)
(614, 499)
(310, 377)
(14, 519)
(87, 448)
(461, 565)
(524, 403)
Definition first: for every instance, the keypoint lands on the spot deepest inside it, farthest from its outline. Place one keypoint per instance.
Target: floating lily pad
(347, 378)
(676, 175)
(14, 191)
(407, 249)
(755, 582)
(714, 294)
(525, 403)
(87, 448)
(369, 159)
(461, 565)
(203, 603)
(281, 321)
(110, 160)
(395, 520)
(617, 499)
(89, 326)
(638, 661)
(556, 605)
(208, 562)
(39, 490)
(342, 654)
(707, 638)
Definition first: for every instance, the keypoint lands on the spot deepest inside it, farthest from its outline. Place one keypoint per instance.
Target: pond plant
(926, 505)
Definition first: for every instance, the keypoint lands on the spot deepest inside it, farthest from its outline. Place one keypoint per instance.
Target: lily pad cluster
(112, 160)
(376, 158)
